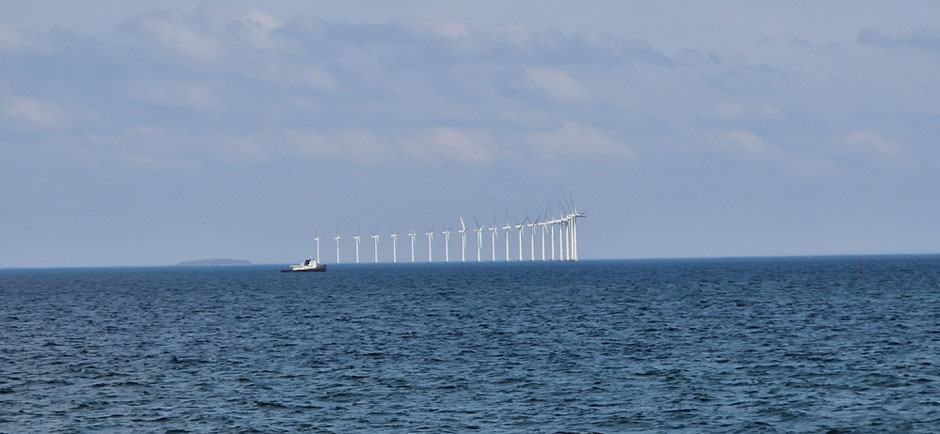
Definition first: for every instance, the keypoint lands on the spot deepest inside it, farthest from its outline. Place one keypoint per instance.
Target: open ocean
(716, 345)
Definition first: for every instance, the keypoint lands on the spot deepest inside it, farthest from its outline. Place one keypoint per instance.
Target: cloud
(727, 110)
(745, 141)
(39, 113)
(871, 140)
(259, 24)
(173, 34)
(575, 139)
(439, 27)
(317, 78)
(11, 37)
(190, 95)
(555, 83)
(760, 78)
(924, 39)
(454, 145)
(358, 145)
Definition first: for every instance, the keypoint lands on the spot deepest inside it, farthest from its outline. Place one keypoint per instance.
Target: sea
(802, 344)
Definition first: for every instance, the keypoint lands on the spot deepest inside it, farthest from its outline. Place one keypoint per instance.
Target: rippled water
(760, 345)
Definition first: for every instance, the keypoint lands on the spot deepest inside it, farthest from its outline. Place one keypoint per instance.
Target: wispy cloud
(358, 146)
(173, 34)
(744, 141)
(11, 37)
(924, 39)
(452, 145)
(575, 139)
(40, 113)
(555, 83)
(872, 141)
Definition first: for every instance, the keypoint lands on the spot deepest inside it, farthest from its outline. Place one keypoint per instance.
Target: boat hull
(318, 269)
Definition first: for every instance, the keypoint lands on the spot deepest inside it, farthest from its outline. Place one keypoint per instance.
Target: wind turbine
(552, 228)
(317, 239)
(519, 227)
(493, 232)
(394, 248)
(543, 240)
(375, 243)
(337, 237)
(532, 239)
(412, 235)
(479, 231)
(574, 225)
(446, 244)
(566, 240)
(563, 236)
(430, 235)
(357, 246)
(463, 241)
(507, 228)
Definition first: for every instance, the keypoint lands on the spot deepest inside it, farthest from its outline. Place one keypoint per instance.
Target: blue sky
(134, 134)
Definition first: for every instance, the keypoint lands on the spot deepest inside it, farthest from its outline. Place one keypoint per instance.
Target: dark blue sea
(723, 345)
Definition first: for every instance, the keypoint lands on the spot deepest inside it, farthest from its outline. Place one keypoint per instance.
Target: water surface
(729, 345)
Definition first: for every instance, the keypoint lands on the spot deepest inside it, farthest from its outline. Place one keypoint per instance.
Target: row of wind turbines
(565, 227)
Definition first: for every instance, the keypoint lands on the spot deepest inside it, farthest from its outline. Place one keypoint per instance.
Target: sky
(148, 133)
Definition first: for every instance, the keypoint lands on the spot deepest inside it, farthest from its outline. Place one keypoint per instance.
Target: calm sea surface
(731, 345)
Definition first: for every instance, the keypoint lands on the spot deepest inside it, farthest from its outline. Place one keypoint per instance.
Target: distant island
(216, 261)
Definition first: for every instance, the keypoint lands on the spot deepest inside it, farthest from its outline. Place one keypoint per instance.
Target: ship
(307, 265)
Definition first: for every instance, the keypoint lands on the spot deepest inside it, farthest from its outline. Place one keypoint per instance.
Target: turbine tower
(430, 235)
(357, 247)
(412, 235)
(507, 228)
(574, 226)
(394, 248)
(532, 239)
(568, 237)
(337, 237)
(317, 239)
(543, 240)
(446, 245)
(479, 232)
(564, 239)
(375, 243)
(552, 228)
(463, 241)
(493, 232)
(519, 227)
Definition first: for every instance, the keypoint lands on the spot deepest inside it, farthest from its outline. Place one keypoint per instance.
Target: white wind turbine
(564, 239)
(337, 237)
(446, 245)
(507, 228)
(317, 239)
(375, 243)
(552, 228)
(412, 235)
(494, 231)
(430, 235)
(543, 239)
(479, 231)
(463, 241)
(519, 227)
(357, 246)
(394, 248)
(532, 239)
(562, 233)
(574, 226)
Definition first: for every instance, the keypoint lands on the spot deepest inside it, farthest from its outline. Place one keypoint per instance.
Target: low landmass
(216, 261)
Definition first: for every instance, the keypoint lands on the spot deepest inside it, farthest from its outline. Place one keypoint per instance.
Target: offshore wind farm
(551, 236)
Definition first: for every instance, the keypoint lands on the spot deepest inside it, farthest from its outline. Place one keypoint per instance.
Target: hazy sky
(134, 134)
